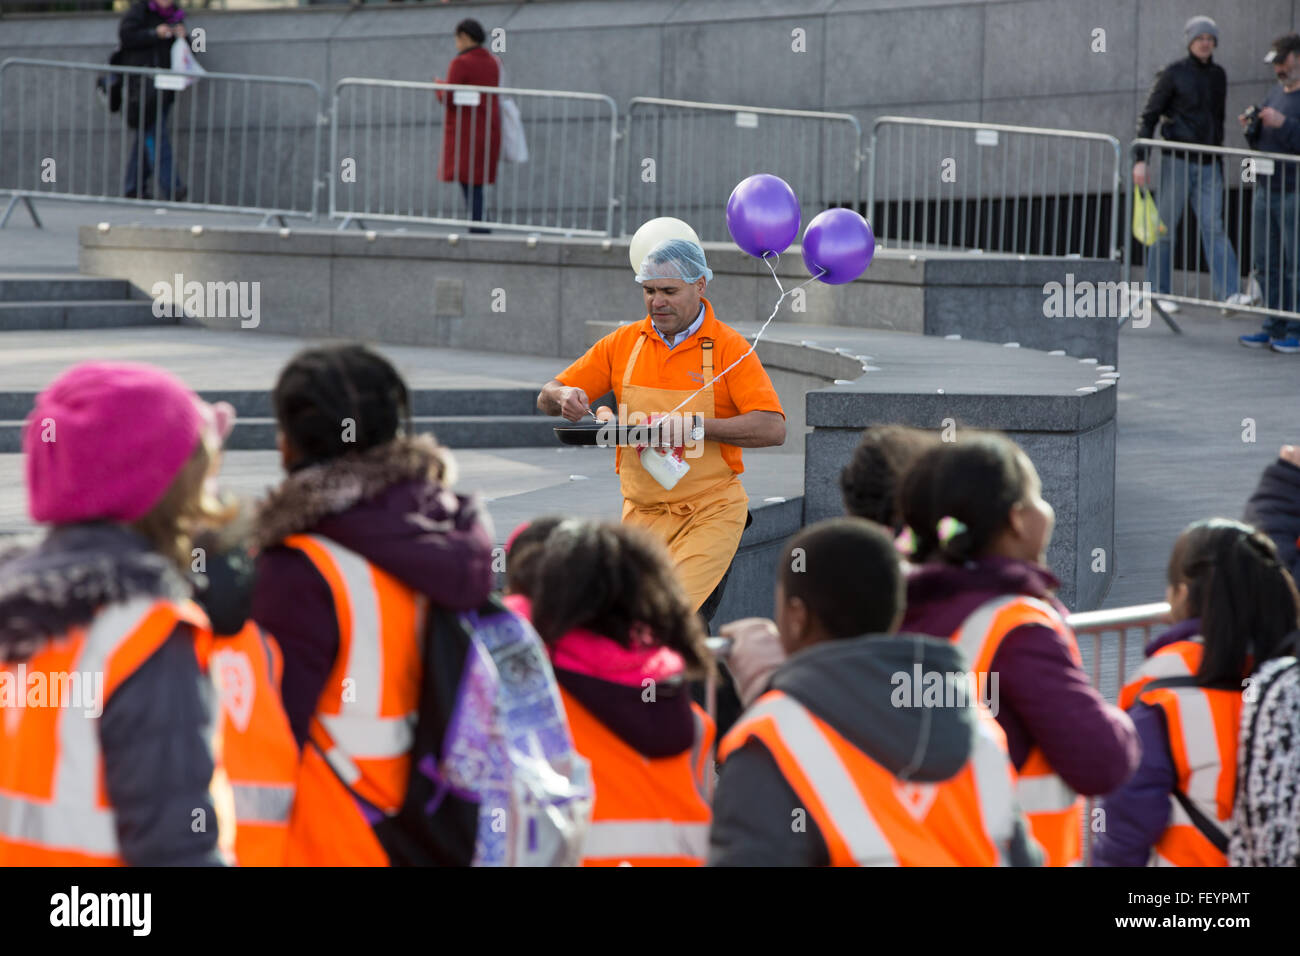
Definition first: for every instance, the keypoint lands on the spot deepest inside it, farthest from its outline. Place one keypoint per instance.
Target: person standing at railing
(471, 134)
(1188, 101)
(146, 35)
(1234, 607)
(979, 528)
(1277, 202)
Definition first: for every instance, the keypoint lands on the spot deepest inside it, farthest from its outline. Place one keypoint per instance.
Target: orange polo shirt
(746, 388)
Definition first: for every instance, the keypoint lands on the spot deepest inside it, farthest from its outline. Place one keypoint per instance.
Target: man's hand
(1140, 174)
(1271, 118)
(1291, 454)
(556, 398)
(756, 653)
(163, 31)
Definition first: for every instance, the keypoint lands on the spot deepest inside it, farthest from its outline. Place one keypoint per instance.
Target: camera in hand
(1252, 121)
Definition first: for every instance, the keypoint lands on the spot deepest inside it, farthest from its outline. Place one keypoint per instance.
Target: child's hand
(1290, 453)
(756, 652)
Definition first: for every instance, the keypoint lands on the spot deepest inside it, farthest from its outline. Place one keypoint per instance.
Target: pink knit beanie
(105, 440)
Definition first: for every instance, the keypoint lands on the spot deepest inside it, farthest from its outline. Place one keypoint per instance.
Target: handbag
(514, 145)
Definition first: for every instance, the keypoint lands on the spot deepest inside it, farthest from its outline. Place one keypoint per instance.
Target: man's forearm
(750, 430)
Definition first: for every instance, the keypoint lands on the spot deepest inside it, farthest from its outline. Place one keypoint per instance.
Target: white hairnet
(678, 259)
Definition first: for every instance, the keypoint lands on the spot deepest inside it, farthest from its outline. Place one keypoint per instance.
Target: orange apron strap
(631, 360)
(706, 346)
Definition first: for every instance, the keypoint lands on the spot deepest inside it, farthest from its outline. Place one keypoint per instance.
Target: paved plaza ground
(1185, 404)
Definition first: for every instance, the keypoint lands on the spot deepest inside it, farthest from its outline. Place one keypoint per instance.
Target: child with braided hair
(978, 529)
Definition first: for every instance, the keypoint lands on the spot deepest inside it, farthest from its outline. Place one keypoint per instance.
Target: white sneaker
(1238, 299)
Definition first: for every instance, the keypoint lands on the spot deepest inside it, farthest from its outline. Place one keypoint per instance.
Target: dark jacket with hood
(155, 730)
(848, 684)
(1187, 99)
(1274, 509)
(387, 505)
(1045, 698)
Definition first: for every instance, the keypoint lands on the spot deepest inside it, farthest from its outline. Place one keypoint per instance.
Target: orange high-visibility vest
(1202, 724)
(260, 752)
(364, 725)
(1179, 659)
(1054, 810)
(53, 808)
(866, 815)
(647, 812)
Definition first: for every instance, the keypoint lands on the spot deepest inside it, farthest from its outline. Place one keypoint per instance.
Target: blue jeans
(152, 149)
(1273, 242)
(1181, 180)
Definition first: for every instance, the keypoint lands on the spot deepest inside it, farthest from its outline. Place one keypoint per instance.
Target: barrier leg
(31, 211)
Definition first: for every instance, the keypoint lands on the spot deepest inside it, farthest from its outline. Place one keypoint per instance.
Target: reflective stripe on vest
(360, 730)
(1054, 809)
(1179, 659)
(995, 782)
(1202, 724)
(262, 803)
(645, 838)
(829, 779)
(72, 819)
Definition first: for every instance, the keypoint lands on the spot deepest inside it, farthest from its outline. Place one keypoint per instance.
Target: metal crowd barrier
(237, 143)
(1247, 233)
(387, 144)
(683, 159)
(945, 185)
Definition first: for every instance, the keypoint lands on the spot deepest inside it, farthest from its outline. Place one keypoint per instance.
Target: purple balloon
(763, 215)
(839, 241)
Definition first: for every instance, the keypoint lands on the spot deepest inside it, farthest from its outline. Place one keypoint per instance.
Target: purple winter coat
(1045, 699)
(1137, 813)
(387, 508)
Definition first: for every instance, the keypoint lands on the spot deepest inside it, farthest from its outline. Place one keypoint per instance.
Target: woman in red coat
(471, 138)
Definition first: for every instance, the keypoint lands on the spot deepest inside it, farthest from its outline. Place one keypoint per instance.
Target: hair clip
(905, 542)
(949, 528)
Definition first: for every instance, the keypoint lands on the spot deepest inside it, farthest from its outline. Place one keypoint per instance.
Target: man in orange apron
(672, 364)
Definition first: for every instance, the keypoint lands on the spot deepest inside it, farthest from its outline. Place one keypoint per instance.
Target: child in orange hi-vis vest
(1234, 608)
(847, 759)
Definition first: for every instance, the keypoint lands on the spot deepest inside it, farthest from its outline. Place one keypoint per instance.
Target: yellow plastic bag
(1147, 227)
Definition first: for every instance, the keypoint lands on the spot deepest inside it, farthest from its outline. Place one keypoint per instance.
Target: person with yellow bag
(1187, 100)
(680, 364)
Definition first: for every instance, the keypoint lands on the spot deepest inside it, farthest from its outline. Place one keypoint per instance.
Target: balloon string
(776, 308)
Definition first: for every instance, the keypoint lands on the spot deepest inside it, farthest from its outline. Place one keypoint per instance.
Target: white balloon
(655, 231)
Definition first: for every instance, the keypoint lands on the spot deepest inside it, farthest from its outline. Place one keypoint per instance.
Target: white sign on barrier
(747, 120)
(466, 98)
(986, 137)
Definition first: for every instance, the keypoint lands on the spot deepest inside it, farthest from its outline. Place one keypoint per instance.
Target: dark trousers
(151, 152)
(474, 199)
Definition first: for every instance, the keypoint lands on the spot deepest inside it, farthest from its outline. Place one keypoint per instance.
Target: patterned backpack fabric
(1266, 813)
(495, 779)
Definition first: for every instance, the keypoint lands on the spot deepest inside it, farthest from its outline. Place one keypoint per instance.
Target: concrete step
(78, 314)
(63, 287)
(496, 431)
(428, 402)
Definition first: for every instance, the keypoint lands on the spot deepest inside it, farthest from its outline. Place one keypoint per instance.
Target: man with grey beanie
(1187, 100)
